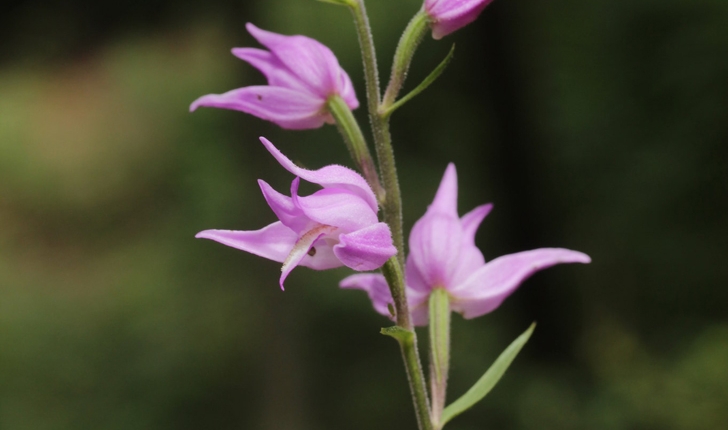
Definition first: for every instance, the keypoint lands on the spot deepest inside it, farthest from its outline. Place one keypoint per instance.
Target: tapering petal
(471, 259)
(290, 215)
(277, 74)
(471, 221)
(273, 242)
(446, 199)
(338, 208)
(288, 108)
(366, 249)
(376, 288)
(486, 289)
(328, 176)
(435, 245)
(311, 61)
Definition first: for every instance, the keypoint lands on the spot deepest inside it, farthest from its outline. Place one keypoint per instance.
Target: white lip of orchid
(304, 243)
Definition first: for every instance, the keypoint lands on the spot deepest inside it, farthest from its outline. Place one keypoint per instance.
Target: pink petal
(290, 215)
(486, 289)
(451, 15)
(288, 108)
(331, 176)
(376, 287)
(346, 91)
(275, 71)
(273, 242)
(313, 63)
(435, 244)
(366, 249)
(471, 221)
(413, 276)
(446, 198)
(471, 259)
(436, 238)
(419, 306)
(339, 208)
(321, 256)
(301, 248)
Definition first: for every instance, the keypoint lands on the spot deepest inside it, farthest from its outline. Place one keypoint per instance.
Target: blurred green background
(597, 125)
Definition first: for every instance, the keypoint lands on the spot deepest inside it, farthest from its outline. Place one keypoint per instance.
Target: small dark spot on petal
(260, 97)
(312, 251)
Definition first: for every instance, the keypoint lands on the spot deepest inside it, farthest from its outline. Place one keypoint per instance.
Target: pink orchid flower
(302, 74)
(335, 226)
(447, 16)
(443, 255)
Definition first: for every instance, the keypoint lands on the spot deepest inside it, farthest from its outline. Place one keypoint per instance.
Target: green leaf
(401, 334)
(488, 380)
(423, 85)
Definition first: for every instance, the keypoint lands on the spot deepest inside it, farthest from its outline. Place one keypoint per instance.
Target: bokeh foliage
(599, 126)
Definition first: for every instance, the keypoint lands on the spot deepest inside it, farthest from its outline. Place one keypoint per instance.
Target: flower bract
(302, 74)
(335, 226)
(443, 255)
(447, 16)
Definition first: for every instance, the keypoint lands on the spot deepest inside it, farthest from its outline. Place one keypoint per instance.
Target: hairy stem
(392, 208)
(411, 357)
(392, 213)
(356, 143)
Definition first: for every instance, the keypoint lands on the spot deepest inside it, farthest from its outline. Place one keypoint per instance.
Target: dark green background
(596, 125)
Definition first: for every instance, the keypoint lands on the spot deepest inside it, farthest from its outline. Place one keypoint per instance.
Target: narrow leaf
(488, 380)
(423, 85)
(401, 334)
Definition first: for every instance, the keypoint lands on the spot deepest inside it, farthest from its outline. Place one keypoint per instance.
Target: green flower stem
(393, 202)
(395, 278)
(407, 338)
(439, 352)
(411, 38)
(392, 211)
(408, 345)
(416, 379)
(392, 208)
(354, 138)
(369, 56)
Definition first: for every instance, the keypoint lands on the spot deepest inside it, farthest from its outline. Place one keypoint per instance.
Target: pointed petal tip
(251, 27)
(207, 100)
(446, 196)
(563, 255)
(195, 104)
(580, 257)
(481, 210)
(204, 234)
(267, 143)
(451, 173)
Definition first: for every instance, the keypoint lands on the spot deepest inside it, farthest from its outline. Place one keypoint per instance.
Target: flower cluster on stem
(338, 225)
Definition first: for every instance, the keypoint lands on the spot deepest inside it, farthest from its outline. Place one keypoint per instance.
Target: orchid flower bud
(447, 16)
(302, 75)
